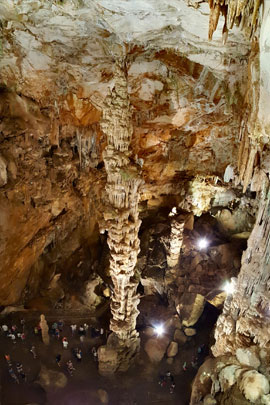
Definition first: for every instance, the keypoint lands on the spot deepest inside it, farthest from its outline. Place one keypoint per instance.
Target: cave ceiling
(57, 66)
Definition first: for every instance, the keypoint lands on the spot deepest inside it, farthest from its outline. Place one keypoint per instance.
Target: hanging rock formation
(121, 221)
(241, 12)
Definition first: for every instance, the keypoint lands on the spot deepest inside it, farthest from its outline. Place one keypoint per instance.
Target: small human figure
(78, 354)
(13, 375)
(60, 325)
(162, 381)
(81, 330)
(194, 362)
(73, 329)
(20, 371)
(22, 323)
(185, 366)
(23, 336)
(12, 337)
(172, 387)
(54, 327)
(86, 327)
(58, 359)
(65, 342)
(201, 348)
(94, 352)
(82, 337)
(4, 329)
(13, 328)
(33, 351)
(7, 357)
(101, 331)
(57, 333)
(36, 330)
(70, 367)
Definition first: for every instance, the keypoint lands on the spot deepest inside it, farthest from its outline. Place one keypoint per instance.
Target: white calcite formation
(176, 240)
(121, 213)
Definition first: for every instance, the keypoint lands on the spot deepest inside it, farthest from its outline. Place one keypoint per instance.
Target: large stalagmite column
(122, 223)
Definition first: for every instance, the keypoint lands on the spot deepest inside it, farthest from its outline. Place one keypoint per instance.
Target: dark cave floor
(138, 386)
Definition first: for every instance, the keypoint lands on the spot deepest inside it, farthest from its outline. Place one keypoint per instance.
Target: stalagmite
(176, 240)
(44, 330)
(122, 223)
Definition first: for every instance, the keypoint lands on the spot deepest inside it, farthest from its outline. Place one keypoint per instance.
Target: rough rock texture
(121, 213)
(57, 67)
(172, 349)
(245, 316)
(121, 217)
(242, 330)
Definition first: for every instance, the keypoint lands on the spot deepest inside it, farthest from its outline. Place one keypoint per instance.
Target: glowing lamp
(159, 330)
(203, 243)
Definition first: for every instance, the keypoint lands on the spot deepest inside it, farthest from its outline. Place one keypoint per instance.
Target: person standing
(65, 342)
(33, 351)
(58, 359)
(70, 367)
(73, 329)
(13, 375)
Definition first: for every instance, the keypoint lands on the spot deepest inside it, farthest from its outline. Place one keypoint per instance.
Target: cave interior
(135, 202)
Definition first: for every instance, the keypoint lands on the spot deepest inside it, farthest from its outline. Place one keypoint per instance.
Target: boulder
(248, 357)
(156, 348)
(190, 331)
(172, 349)
(254, 385)
(179, 337)
(190, 308)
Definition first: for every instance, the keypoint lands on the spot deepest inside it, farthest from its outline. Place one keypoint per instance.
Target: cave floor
(138, 386)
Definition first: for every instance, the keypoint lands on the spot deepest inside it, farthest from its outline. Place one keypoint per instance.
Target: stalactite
(239, 12)
(122, 223)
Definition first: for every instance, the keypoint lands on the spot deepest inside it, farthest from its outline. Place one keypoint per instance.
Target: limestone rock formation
(44, 330)
(172, 349)
(121, 214)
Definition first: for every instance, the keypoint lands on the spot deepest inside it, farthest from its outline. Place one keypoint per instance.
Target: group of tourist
(55, 330)
(167, 380)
